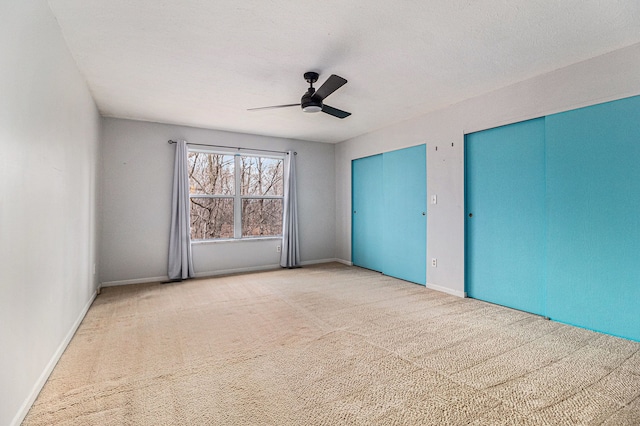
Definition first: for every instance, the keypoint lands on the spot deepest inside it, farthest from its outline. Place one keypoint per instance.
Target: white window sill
(236, 240)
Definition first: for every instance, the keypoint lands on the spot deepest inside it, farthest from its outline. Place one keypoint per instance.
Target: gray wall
(49, 135)
(608, 77)
(137, 177)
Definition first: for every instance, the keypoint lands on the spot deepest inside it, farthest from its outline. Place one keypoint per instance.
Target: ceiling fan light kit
(309, 104)
(311, 108)
(312, 100)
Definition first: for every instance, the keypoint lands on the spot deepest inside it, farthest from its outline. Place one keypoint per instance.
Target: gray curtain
(290, 256)
(180, 261)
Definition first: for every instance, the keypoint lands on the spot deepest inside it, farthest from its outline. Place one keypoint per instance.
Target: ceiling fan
(312, 100)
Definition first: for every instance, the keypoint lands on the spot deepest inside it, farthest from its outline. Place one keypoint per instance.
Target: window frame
(237, 195)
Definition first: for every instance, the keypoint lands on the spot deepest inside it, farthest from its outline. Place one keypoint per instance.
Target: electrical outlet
(434, 262)
(278, 249)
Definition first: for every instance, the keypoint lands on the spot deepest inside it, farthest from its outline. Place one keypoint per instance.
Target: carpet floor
(331, 345)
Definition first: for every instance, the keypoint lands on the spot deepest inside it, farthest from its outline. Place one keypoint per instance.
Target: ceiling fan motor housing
(309, 103)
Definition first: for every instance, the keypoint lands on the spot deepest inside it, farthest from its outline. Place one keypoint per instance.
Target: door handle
(424, 213)
(470, 214)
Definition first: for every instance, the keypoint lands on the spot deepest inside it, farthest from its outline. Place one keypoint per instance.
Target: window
(235, 195)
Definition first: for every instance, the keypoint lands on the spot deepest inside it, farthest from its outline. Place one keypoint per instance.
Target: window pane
(261, 217)
(211, 218)
(211, 173)
(262, 176)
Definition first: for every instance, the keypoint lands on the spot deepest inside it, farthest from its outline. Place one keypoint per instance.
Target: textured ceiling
(203, 63)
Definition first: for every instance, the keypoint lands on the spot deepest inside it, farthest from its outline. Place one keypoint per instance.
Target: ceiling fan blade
(335, 111)
(273, 107)
(332, 84)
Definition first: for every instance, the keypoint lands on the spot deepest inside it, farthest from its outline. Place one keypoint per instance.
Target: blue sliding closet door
(405, 220)
(367, 221)
(593, 199)
(389, 222)
(505, 215)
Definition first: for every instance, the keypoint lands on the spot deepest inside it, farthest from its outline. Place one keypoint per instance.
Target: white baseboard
(136, 281)
(237, 271)
(220, 272)
(37, 387)
(446, 290)
(316, 262)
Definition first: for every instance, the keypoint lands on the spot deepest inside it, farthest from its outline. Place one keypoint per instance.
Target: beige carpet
(331, 345)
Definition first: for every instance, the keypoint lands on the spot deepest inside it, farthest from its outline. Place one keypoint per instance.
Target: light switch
(434, 199)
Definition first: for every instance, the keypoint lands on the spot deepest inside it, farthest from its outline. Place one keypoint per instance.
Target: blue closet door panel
(593, 199)
(405, 221)
(505, 237)
(367, 221)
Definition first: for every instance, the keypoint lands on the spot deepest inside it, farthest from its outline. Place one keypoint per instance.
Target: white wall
(49, 134)
(137, 178)
(608, 77)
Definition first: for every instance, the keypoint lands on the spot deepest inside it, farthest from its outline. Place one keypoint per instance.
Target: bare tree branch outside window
(262, 176)
(212, 179)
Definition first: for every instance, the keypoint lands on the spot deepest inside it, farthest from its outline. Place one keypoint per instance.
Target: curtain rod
(235, 147)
